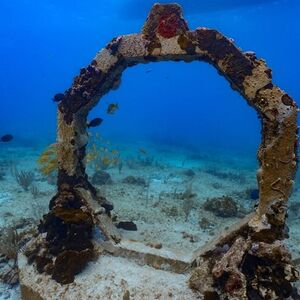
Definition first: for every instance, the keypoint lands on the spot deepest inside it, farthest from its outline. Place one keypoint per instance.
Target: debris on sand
(101, 178)
(189, 173)
(135, 180)
(223, 206)
(127, 225)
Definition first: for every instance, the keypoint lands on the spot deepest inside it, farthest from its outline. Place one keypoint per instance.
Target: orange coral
(48, 160)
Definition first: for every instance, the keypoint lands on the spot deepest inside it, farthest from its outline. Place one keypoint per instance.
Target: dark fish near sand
(143, 151)
(95, 122)
(127, 225)
(112, 108)
(6, 138)
(58, 97)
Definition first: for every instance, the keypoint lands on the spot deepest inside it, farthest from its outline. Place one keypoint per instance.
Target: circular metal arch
(165, 36)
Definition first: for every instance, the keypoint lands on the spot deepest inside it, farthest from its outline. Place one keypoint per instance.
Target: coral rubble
(101, 178)
(134, 180)
(221, 206)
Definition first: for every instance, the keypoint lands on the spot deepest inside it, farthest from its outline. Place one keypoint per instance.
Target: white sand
(109, 278)
(155, 209)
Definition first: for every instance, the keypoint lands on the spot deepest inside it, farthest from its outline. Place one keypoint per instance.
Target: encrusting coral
(67, 246)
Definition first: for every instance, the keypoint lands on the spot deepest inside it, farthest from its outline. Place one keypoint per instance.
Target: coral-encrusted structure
(248, 262)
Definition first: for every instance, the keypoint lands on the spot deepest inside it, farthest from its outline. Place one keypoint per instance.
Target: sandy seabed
(167, 205)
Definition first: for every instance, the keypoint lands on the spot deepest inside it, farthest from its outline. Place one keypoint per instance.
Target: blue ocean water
(45, 43)
(186, 108)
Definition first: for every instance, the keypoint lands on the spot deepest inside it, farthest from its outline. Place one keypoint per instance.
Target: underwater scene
(163, 166)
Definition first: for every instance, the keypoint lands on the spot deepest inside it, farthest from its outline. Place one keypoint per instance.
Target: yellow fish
(112, 108)
(115, 152)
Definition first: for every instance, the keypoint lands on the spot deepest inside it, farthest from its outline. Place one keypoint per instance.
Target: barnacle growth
(249, 259)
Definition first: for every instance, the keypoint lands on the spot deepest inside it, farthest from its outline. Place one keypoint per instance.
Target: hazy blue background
(44, 44)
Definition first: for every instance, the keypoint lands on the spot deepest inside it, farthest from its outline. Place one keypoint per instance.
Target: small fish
(112, 108)
(148, 71)
(143, 151)
(127, 225)
(58, 97)
(95, 122)
(6, 138)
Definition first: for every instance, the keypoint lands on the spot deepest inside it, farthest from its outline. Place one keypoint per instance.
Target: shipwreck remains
(249, 261)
